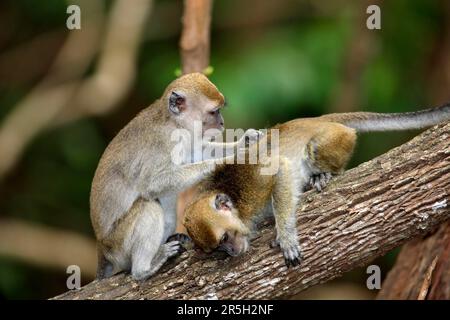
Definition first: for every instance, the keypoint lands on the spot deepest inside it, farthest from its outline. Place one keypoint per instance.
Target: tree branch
(363, 214)
(422, 269)
(46, 246)
(194, 41)
(63, 96)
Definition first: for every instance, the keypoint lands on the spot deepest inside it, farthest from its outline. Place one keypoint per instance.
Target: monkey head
(213, 223)
(191, 99)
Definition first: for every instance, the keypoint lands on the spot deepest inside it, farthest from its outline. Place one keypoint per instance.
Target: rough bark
(194, 43)
(361, 215)
(422, 269)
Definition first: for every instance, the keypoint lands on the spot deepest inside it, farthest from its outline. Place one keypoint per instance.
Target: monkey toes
(172, 248)
(183, 239)
(320, 181)
(291, 253)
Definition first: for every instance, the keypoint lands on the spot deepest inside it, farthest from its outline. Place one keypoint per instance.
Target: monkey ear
(223, 202)
(177, 103)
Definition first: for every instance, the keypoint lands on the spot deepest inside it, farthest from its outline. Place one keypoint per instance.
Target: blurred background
(65, 94)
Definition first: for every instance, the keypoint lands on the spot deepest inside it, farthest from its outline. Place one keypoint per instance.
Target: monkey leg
(328, 152)
(105, 268)
(169, 207)
(284, 201)
(320, 181)
(148, 252)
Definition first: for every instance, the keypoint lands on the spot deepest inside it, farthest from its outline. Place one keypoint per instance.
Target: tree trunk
(361, 215)
(422, 270)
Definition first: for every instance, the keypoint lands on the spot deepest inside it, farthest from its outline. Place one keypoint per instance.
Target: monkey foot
(184, 241)
(172, 248)
(320, 181)
(291, 253)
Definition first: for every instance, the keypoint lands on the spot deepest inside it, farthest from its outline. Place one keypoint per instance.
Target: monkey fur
(135, 187)
(311, 151)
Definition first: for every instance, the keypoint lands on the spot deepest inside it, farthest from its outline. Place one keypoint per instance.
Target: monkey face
(213, 223)
(193, 99)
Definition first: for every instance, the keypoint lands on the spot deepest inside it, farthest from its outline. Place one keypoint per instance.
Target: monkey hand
(291, 251)
(250, 137)
(320, 181)
(184, 240)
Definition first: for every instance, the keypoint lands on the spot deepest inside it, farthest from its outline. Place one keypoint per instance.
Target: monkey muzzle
(236, 246)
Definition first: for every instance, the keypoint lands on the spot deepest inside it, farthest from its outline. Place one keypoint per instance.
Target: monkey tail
(371, 121)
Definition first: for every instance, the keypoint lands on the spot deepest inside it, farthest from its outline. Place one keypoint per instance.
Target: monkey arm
(229, 148)
(284, 201)
(189, 174)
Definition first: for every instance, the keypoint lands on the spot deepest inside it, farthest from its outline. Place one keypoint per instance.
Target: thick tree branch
(364, 213)
(422, 269)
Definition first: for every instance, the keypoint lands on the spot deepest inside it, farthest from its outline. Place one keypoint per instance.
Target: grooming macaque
(311, 150)
(134, 191)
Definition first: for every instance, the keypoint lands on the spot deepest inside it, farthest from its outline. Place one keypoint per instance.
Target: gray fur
(370, 121)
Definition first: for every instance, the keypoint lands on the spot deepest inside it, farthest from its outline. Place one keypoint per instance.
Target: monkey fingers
(252, 136)
(292, 263)
(292, 256)
(184, 240)
(320, 181)
(172, 248)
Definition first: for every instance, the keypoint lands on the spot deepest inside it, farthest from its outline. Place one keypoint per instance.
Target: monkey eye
(214, 112)
(224, 238)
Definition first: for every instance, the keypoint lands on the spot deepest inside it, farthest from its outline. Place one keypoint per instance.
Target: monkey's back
(115, 184)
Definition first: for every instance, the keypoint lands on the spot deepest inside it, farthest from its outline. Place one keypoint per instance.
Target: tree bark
(422, 269)
(361, 215)
(194, 43)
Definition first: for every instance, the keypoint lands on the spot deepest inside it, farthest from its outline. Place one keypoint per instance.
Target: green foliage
(43, 13)
(57, 171)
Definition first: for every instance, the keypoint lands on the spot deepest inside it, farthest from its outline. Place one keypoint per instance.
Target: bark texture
(361, 215)
(422, 269)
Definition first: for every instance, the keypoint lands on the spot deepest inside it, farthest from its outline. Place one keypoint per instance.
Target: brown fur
(200, 83)
(327, 145)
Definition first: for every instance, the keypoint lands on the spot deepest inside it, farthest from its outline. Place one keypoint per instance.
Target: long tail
(371, 121)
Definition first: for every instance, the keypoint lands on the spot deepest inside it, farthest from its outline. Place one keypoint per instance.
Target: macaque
(135, 187)
(310, 152)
